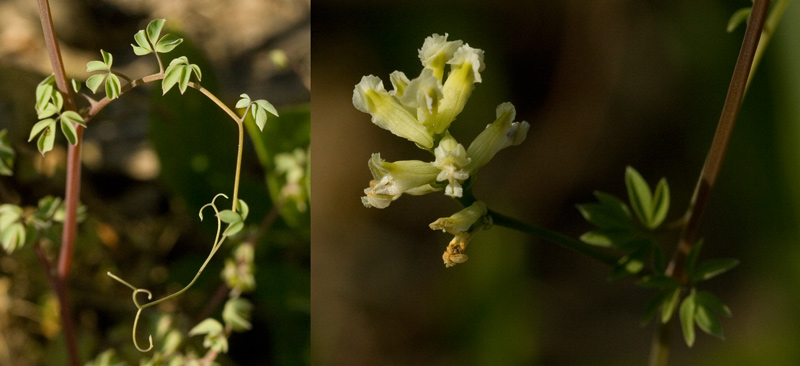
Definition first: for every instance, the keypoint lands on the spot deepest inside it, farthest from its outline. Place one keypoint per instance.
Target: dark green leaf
(737, 18)
(660, 203)
(630, 264)
(168, 43)
(94, 81)
(687, 315)
(708, 322)
(154, 30)
(606, 237)
(69, 131)
(713, 303)
(639, 196)
(691, 259)
(713, 267)
(669, 305)
(652, 307)
(659, 281)
(606, 216)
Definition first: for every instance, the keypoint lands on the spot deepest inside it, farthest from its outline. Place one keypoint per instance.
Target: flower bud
(498, 135)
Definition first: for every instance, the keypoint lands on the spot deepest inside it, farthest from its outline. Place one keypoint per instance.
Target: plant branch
(553, 237)
(659, 353)
(72, 185)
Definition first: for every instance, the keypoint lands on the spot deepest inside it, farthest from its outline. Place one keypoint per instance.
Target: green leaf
(44, 91)
(630, 264)
(639, 196)
(713, 267)
(652, 307)
(168, 43)
(186, 75)
(659, 281)
(112, 86)
(267, 106)
(47, 139)
(243, 209)
(6, 154)
(73, 117)
(713, 303)
(737, 18)
(41, 126)
(94, 81)
(708, 322)
(261, 118)
(244, 102)
(660, 203)
(69, 131)
(197, 72)
(48, 110)
(76, 85)
(234, 228)
(171, 77)
(108, 60)
(154, 30)
(47, 207)
(607, 237)
(92, 66)
(171, 342)
(669, 305)
(215, 338)
(142, 46)
(691, 259)
(229, 217)
(9, 214)
(609, 213)
(13, 237)
(236, 314)
(687, 315)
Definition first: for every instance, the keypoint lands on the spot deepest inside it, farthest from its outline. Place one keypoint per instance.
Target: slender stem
(72, 186)
(660, 352)
(772, 21)
(553, 237)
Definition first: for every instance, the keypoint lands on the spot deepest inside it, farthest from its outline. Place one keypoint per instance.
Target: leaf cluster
(21, 226)
(258, 108)
(111, 80)
(49, 110)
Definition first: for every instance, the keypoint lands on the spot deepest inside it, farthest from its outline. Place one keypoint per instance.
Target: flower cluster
(421, 110)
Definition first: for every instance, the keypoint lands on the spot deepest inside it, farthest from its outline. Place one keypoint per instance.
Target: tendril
(218, 240)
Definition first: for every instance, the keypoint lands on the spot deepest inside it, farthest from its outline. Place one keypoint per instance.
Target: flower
(498, 135)
(465, 67)
(451, 158)
(462, 225)
(369, 96)
(436, 51)
(391, 180)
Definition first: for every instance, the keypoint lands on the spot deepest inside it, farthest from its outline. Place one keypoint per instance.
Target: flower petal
(369, 96)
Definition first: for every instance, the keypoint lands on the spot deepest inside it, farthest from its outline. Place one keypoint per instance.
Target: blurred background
(149, 164)
(604, 85)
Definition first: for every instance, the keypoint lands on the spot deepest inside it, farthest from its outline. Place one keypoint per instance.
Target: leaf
(48, 110)
(94, 81)
(108, 59)
(168, 43)
(171, 77)
(234, 228)
(691, 259)
(713, 267)
(76, 85)
(607, 215)
(47, 207)
(236, 314)
(197, 72)
(41, 126)
(653, 306)
(44, 91)
(713, 303)
(669, 305)
(7, 155)
(9, 214)
(208, 326)
(261, 118)
(630, 264)
(142, 46)
(230, 217)
(244, 102)
(47, 139)
(154, 30)
(267, 106)
(112, 86)
(708, 322)
(687, 315)
(243, 209)
(660, 203)
(13, 237)
(737, 18)
(186, 75)
(659, 281)
(639, 196)
(69, 131)
(73, 117)
(92, 66)
(606, 237)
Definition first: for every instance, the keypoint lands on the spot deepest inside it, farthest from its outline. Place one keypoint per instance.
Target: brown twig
(694, 215)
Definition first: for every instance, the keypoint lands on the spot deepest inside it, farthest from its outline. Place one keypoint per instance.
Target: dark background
(604, 85)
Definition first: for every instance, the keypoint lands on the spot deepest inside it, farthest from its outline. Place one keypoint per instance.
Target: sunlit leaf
(47, 139)
(186, 75)
(154, 30)
(69, 131)
(261, 118)
(168, 43)
(41, 126)
(142, 46)
(639, 196)
(7, 154)
(108, 59)
(244, 102)
(74, 117)
(94, 81)
(660, 204)
(228, 216)
(112, 86)
(171, 77)
(197, 72)
(267, 106)
(669, 305)
(607, 237)
(76, 85)
(236, 314)
(13, 237)
(92, 66)
(44, 91)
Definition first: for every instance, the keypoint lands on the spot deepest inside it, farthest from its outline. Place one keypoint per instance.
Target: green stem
(553, 237)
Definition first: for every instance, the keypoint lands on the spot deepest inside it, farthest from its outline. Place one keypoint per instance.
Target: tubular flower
(451, 158)
(436, 51)
(369, 96)
(391, 180)
(465, 68)
(498, 135)
(462, 225)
